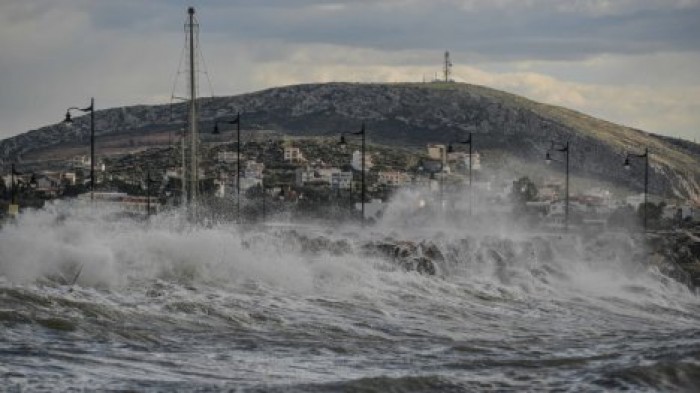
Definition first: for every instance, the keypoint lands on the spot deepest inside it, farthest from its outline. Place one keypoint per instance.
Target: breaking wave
(93, 299)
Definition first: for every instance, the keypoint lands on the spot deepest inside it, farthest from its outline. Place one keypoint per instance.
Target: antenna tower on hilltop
(447, 67)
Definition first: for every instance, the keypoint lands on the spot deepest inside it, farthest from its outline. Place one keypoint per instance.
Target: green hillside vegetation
(398, 115)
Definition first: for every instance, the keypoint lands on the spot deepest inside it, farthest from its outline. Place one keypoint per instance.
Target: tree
(653, 212)
(524, 190)
(622, 217)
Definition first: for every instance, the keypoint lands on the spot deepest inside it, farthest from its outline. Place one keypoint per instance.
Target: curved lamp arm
(216, 130)
(632, 155)
(343, 143)
(564, 148)
(68, 118)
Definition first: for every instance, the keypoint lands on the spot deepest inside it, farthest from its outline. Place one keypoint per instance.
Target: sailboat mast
(183, 153)
(194, 178)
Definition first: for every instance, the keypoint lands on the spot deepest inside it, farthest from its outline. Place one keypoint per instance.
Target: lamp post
(441, 169)
(12, 180)
(262, 186)
(450, 149)
(237, 122)
(627, 165)
(13, 209)
(342, 144)
(418, 172)
(548, 158)
(69, 120)
(148, 192)
(262, 180)
(442, 187)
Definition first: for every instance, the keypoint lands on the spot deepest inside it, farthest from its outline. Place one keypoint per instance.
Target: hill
(403, 114)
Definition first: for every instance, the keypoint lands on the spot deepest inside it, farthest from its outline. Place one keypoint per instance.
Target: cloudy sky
(635, 62)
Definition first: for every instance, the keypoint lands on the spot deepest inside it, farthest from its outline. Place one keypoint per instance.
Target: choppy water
(167, 306)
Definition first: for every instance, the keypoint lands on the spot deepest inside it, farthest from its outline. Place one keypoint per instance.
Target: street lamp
(262, 187)
(450, 149)
(12, 182)
(148, 192)
(262, 180)
(13, 209)
(441, 169)
(69, 120)
(548, 159)
(342, 144)
(627, 165)
(14, 205)
(416, 174)
(237, 122)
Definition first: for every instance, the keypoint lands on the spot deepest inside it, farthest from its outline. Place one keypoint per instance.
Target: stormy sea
(94, 300)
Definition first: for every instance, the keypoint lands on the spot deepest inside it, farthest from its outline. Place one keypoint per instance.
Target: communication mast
(447, 67)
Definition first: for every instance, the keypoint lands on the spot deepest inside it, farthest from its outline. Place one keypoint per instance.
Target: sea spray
(164, 304)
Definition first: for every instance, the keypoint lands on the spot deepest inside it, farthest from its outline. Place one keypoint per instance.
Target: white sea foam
(111, 250)
(288, 303)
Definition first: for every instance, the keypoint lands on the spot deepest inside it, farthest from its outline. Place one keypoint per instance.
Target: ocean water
(91, 300)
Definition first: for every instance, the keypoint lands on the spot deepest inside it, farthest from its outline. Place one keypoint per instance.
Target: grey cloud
(505, 30)
(511, 31)
(60, 53)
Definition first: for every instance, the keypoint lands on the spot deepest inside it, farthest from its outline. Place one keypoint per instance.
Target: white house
(326, 174)
(462, 158)
(316, 175)
(226, 157)
(305, 175)
(357, 161)
(69, 177)
(393, 178)
(293, 154)
(438, 152)
(173, 173)
(48, 185)
(253, 169)
(323, 175)
(341, 180)
(249, 182)
(80, 161)
(602, 194)
(686, 211)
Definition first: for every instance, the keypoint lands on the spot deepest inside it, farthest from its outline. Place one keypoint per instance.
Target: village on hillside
(318, 178)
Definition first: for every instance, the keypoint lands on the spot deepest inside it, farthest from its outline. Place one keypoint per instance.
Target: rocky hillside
(409, 114)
